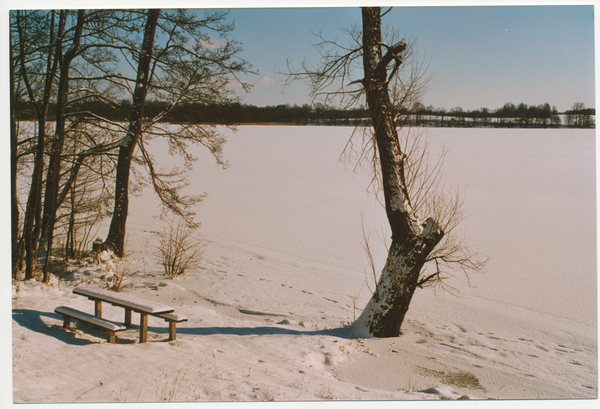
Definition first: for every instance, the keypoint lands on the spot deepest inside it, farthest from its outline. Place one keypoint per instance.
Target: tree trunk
(54, 166)
(14, 203)
(412, 239)
(31, 222)
(34, 201)
(70, 241)
(116, 234)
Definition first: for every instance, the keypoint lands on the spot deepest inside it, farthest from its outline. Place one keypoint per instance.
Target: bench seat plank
(99, 322)
(123, 300)
(109, 326)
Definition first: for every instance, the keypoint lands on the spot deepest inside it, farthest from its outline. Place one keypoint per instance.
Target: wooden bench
(172, 318)
(131, 303)
(71, 313)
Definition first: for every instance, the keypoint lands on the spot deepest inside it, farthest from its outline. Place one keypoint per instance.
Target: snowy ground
(284, 271)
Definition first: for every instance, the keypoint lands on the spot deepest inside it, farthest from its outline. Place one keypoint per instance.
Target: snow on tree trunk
(385, 311)
(412, 239)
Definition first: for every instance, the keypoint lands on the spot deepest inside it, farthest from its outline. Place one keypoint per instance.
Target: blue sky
(478, 56)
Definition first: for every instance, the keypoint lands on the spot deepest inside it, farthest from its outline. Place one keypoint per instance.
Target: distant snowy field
(284, 267)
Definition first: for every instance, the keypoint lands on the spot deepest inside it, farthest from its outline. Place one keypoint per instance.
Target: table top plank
(123, 300)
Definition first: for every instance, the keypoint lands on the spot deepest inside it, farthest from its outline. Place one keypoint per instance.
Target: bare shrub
(179, 249)
(443, 204)
(117, 280)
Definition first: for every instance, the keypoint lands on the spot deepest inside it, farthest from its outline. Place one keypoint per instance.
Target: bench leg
(143, 327)
(128, 317)
(66, 322)
(98, 308)
(111, 337)
(172, 330)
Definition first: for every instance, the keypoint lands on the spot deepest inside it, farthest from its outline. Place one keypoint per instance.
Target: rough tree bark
(413, 239)
(116, 234)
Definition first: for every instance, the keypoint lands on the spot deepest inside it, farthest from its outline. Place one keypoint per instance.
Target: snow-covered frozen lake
(530, 204)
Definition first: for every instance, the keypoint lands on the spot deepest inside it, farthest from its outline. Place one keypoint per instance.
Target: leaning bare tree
(400, 167)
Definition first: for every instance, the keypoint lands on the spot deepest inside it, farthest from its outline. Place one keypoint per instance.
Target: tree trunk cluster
(63, 62)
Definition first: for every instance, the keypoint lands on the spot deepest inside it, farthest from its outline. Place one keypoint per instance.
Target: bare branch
(168, 187)
(405, 76)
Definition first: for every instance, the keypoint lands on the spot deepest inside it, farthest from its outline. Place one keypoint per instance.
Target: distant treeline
(509, 116)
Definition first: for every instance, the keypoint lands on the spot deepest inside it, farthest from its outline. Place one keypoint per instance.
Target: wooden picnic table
(126, 301)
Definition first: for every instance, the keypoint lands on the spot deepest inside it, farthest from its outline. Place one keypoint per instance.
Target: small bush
(117, 280)
(179, 249)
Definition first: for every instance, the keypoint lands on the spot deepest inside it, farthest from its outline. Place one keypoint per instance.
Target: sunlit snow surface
(284, 268)
(529, 203)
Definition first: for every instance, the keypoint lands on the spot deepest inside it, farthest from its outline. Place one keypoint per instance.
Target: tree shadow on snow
(246, 331)
(32, 320)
